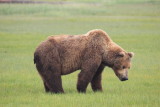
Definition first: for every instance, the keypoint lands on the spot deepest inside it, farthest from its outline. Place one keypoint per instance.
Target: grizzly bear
(90, 53)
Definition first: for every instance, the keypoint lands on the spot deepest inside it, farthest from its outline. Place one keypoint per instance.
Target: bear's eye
(123, 67)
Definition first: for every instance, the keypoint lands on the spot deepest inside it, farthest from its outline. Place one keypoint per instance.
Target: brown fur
(61, 55)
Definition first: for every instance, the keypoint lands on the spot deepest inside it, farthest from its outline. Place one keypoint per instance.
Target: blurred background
(133, 24)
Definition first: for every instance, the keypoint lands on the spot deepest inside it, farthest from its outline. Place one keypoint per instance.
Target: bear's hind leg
(54, 83)
(46, 87)
(96, 81)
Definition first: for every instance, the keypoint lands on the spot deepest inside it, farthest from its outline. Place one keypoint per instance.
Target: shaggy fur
(90, 53)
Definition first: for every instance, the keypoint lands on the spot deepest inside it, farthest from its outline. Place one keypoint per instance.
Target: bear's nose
(124, 79)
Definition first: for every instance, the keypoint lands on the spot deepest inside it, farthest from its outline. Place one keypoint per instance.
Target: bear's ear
(121, 54)
(131, 54)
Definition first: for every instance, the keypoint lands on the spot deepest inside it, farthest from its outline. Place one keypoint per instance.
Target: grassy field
(135, 27)
(99, 1)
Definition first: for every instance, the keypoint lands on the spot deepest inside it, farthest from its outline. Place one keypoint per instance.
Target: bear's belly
(70, 63)
(68, 70)
(69, 67)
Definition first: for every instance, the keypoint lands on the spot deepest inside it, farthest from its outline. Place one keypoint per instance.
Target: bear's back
(69, 51)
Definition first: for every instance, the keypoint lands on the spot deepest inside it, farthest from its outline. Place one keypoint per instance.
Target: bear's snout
(124, 79)
(122, 74)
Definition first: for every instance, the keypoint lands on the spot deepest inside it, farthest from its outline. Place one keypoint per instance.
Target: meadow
(134, 26)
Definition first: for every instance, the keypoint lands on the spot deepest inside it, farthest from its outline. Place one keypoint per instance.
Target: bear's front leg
(83, 81)
(85, 77)
(96, 81)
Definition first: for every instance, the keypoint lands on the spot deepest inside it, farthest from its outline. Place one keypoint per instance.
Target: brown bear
(90, 53)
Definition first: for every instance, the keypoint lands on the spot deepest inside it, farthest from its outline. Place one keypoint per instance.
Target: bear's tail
(36, 58)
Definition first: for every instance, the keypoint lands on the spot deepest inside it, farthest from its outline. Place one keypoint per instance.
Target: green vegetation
(135, 27)
(100, 1)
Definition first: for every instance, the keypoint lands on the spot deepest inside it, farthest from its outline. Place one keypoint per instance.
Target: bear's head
(122, 64)
(119, 60)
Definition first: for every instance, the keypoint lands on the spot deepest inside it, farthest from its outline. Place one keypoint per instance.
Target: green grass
(101, 1)
(135, 27)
